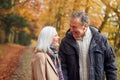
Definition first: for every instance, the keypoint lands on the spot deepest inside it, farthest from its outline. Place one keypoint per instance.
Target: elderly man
(85, 54)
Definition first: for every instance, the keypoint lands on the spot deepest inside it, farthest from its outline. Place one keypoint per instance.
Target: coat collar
(71, 41)
(51, 64)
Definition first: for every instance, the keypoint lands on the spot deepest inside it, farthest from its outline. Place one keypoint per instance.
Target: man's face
(78, 30)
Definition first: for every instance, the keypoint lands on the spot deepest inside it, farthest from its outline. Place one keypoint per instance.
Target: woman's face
(55, 40)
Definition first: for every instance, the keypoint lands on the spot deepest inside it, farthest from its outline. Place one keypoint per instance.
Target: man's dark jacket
(101, 58)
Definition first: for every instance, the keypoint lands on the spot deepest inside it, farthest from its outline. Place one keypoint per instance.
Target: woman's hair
(45, 38)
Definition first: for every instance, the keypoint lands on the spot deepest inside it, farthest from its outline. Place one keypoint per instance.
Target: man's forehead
(74, 21)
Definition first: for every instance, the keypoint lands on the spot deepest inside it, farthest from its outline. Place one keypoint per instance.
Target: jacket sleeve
(110, 65)
(62, 56)
(38, 68)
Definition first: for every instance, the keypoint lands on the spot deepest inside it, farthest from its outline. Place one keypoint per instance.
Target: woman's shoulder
(39, 56)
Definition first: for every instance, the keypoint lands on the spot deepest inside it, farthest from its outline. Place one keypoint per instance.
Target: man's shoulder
(68, 36)
(93, 28)
(96, 34)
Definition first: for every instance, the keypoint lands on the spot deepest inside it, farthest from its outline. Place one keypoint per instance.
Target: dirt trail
(12, 62)
(23, 71)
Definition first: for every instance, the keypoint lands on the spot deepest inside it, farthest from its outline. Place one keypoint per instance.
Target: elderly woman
(45, 62)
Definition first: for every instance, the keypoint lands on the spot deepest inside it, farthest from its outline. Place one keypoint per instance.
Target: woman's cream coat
(43, 67)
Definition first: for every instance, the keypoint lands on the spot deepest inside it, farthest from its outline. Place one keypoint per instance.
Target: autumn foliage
(9, 60)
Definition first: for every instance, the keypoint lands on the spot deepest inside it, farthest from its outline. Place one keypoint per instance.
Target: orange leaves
(21, 11)
(8, 64)
(30, 10)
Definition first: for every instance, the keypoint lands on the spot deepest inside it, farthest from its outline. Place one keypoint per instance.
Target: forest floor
(15, 62)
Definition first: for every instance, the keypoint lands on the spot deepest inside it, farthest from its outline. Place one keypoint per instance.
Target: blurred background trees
(20, 19)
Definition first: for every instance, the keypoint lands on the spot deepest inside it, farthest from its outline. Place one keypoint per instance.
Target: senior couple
(83, 54)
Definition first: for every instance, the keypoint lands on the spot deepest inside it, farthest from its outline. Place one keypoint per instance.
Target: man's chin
(75, 37)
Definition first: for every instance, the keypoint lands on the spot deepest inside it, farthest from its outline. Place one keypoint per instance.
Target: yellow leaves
(33, 43)
(21, 11)
(95, 20)
(27, 30)
(110, 29)
(30, 9)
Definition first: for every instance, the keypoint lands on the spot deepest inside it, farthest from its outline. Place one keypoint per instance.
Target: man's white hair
(45, 38)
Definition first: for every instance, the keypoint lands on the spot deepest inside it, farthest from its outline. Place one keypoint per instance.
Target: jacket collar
(94, 32)
(95, 38)
(51, 64)
(72, 41)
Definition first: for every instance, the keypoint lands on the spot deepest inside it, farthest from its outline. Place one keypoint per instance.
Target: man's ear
(85, 24)
(85, 27)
